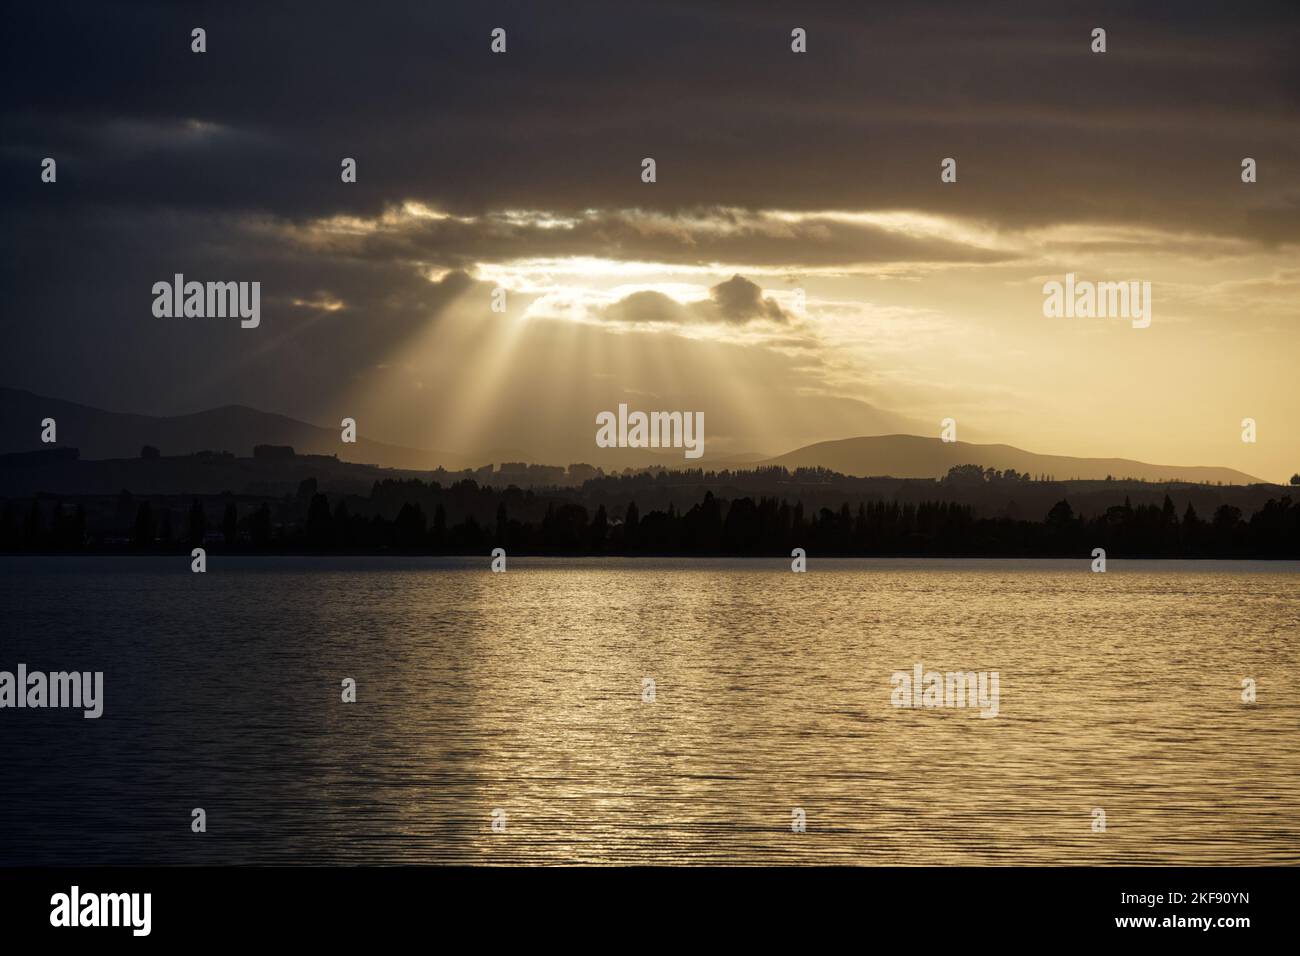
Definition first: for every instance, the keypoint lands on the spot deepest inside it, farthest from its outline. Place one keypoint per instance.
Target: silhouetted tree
(1061, 515)
(260, 526)
(198, 524)
(565, 528)
(32, 528)
(230, 525)
(599, 529)
(1193, 529)
(631, 530)
(342, 534)
(408, 528)
(125, 512)
(702, 526)
(75, 536)
(959, 474)
(320, 524)
(1224, 528)
(1227, 516)
(9, 540)
(440, 526)
(306, 488)
(144, 527)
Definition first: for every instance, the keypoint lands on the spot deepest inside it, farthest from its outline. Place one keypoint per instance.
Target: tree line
(413, 518)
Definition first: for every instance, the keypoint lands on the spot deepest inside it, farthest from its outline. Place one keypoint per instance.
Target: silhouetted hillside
(233, 428)
(272, 470)
(910, 456)
(99, 435)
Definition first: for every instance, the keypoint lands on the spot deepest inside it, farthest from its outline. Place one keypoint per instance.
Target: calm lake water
(523, 692)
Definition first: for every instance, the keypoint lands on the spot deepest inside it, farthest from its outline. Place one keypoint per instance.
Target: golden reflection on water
(523, 692)
(1120, 691)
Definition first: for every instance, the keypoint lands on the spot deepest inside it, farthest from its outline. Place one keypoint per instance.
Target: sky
(797, 271)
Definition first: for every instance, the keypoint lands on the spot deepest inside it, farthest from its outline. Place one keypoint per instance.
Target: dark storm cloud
(222, 165)
(1043, 130)
(736, 301)
(739, 300)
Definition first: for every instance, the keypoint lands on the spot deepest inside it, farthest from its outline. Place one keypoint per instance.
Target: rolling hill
(910, 456)
(101, 434)
(233, 428)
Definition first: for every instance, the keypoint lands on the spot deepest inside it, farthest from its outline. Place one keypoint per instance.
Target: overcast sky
(798, 271)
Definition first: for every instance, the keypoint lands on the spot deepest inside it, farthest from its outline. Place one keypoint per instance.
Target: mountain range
(100, 434)
(233, 428)
(910, 456)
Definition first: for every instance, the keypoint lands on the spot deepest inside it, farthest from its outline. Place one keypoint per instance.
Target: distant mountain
(909, 456)
(232, 428)
(236, 428)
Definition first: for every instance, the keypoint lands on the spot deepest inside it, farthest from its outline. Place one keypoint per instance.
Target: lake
(523, 699)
